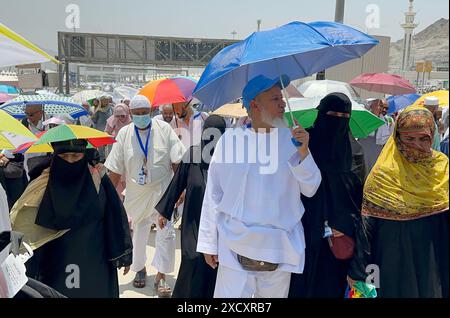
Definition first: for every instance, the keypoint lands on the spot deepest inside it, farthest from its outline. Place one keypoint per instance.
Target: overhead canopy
(15, 50)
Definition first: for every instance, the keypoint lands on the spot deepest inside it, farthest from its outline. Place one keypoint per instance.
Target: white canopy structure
(16, 50)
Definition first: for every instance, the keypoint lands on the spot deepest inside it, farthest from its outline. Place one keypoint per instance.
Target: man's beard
(277, 122)
(168, 119)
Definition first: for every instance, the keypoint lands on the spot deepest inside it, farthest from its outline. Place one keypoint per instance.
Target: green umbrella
(362, 122)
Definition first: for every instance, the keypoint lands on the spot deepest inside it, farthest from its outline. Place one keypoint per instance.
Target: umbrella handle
(287, 101)
(294, 141)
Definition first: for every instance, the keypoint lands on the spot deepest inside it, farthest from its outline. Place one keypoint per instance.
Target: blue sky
(39, 20)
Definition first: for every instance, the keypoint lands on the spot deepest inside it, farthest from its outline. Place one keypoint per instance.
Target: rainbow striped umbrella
(169, 90)
(12, 132)
(95, 138)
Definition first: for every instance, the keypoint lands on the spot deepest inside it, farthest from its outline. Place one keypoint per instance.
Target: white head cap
(59, 120)
(54, 121)
(140, 101)
(431, 101)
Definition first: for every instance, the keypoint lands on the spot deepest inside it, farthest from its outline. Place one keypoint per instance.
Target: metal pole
(423, 78)
(78, 76)
(338, 17)
(417, 79)
(60, 78)
(60, 66)
(339, 12)
(67, 78)
(258, 25)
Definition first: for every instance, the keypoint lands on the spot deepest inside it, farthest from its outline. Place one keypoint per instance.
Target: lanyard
(144, 150)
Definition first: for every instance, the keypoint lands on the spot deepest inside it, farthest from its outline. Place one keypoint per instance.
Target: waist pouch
(253, 265)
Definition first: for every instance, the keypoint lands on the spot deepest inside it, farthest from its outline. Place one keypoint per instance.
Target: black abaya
(337, 201)
(412, 256)
(195, 279)
(83, 261)
(14, 185)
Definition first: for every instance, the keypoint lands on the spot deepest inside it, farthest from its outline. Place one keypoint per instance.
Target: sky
(39, 20)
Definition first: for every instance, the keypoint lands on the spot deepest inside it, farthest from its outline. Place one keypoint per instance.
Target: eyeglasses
(32, 114)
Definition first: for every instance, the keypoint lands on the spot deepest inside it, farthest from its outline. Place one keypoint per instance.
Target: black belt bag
(258, 266)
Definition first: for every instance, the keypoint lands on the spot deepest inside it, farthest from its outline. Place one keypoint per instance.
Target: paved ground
(126, 282)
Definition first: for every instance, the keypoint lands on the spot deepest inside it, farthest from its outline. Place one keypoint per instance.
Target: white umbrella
(122, 92)
(321, 88)
(86, 95)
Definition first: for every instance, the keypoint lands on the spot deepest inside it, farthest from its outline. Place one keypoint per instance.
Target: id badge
(142, 177)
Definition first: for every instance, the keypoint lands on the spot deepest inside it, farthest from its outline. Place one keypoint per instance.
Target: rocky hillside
(429, 44)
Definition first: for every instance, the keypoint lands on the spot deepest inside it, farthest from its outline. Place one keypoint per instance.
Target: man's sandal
(140, 279)
(163, 289)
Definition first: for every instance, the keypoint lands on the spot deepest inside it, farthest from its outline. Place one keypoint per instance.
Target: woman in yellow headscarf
(403, 234)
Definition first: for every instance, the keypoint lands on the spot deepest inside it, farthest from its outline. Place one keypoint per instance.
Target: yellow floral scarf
(408, 182)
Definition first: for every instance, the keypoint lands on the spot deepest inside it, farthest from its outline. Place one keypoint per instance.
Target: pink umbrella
(5, 97)
(383, 83)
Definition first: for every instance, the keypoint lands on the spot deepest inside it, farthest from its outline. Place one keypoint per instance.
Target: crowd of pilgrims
(380, 200)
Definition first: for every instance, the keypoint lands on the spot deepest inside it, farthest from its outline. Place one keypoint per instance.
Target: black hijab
(337, 201)
(339, 196)
(70, 199)
(329, 141)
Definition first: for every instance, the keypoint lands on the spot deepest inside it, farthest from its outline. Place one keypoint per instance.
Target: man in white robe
(145, 152)
(190, 123)
(384, 132)
(252, 204)
(168, 115)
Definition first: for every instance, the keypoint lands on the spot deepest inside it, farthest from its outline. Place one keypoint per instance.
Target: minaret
(409, 27)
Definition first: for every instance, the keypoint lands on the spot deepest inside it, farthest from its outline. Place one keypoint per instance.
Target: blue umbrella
(53, 105)
(8, 89)
(296, 49)
(398, 102)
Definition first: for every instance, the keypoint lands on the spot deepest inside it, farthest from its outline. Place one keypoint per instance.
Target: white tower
(409, 27)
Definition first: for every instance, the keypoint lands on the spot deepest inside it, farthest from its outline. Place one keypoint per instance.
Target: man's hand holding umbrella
(302, 137)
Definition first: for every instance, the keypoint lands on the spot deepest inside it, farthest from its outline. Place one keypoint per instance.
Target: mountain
(429, 44)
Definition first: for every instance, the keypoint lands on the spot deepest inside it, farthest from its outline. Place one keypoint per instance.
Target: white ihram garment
(126, 157)
(253, 214)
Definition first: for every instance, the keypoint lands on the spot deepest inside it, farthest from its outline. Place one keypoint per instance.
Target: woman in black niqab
(98, 239)
(195, 279)
(337, 202)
